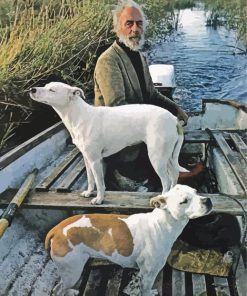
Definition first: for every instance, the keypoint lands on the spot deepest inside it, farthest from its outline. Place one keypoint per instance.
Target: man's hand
(182, 116)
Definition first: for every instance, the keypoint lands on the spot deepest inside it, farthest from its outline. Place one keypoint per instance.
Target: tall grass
(234, 16)
(58, 40)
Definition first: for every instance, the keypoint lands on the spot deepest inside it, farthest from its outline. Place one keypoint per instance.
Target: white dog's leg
(97, 170)
(90, 179)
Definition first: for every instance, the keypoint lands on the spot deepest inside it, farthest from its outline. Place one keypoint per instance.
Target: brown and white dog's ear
(158, 202)
(76, 91)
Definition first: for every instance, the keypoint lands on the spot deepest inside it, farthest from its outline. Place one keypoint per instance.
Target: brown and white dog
(141, 241)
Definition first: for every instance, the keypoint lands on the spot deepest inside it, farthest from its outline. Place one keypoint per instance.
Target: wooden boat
(217, 136)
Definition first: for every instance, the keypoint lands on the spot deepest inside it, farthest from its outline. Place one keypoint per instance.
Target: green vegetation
(231, 13)
(58, 40)
(42, 40)
(47, 42)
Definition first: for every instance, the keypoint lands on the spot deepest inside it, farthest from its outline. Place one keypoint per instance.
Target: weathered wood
(241, 279)
(221, 286)
(71, 178)
(196, 136)
(20, 150)
(122, 202)
(202, 136)
(240, 145)
(233, 159)
(114, 282)
(199, 284)
(94, 283)
(178, 283)
(45, 184)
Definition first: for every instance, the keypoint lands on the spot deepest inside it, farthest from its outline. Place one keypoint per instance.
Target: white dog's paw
(87, 193)
(58, 290)
(71, 292)
(154, 292)
(134, 286)
(96, 201)
(228, 257)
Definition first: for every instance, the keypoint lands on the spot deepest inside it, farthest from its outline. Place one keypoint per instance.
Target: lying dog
(99, 132)
(141, 241)
(217, 231)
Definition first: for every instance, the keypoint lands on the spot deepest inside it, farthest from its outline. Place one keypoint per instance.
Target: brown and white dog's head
(56, 94)
(183, 202)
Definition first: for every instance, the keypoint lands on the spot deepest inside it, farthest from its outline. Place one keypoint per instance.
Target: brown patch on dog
(107, 234)
(60, 246)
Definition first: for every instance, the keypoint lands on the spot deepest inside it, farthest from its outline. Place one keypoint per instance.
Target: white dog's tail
(174, 160)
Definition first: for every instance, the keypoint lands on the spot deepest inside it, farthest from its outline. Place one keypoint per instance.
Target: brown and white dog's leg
(70, 268)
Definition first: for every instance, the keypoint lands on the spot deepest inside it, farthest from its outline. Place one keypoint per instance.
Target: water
(205, 66)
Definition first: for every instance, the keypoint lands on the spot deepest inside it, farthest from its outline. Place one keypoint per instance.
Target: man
(122, 75)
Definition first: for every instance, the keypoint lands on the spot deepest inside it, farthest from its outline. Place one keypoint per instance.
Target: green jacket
(116, 82)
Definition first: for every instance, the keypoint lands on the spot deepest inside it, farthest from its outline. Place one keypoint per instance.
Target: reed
(233, 14)
(58, 40)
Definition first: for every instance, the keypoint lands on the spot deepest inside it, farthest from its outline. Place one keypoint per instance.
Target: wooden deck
(25, 268)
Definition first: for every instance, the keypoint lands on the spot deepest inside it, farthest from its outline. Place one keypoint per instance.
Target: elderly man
(122, 75)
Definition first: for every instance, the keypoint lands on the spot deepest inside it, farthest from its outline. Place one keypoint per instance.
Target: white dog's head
(56, 94)
(183, 201)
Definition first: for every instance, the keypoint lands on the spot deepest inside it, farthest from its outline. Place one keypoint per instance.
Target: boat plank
(114, 282)
(94, 283)
(20, 150)
(70, 179)
(241, 277)
(221, 286)
(25, 280)
(233, 159)
(196, 136)
(240, 145)
(178, 283)
(202, 136)
(199, 284)
(45, 184)
(46, 280)
(124, 202)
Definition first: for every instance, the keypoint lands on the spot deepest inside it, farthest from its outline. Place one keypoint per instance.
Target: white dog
(102, 131)
(141, 241)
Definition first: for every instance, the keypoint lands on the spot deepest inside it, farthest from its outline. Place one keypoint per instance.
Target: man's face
(131, 28)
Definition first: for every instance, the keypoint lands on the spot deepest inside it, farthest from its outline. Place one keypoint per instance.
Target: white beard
(134, 43)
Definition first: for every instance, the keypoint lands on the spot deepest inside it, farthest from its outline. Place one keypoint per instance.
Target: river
(205, 66)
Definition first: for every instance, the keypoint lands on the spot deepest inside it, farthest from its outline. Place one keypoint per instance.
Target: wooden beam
(115, 201)
(70, 179)
(233, 159)
(46, 183)
(240, 145)
(20, 150)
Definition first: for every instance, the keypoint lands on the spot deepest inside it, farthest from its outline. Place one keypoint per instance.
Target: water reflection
(204, 63)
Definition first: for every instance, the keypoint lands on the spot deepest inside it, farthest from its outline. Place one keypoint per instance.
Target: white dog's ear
(158, 202)
(77, 92)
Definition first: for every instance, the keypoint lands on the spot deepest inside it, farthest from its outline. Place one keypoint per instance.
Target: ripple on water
(205, 66)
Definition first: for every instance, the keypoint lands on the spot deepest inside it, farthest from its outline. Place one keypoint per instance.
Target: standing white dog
(141, 241)
(102, 131)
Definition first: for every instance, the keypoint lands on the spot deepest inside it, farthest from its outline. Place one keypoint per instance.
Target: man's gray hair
(122, 4)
